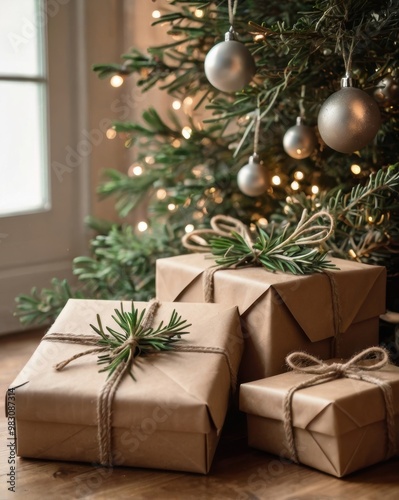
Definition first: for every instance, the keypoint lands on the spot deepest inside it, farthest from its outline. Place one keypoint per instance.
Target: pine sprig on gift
(136, 339)
(287, 252)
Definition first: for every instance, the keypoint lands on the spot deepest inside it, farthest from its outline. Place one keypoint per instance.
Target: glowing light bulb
(176, 143)
(262, 221)
(171, 207)
(188, 101)
(352, 253)
(298, 175)
(186, 132)
(156, 14)
(142, 226)
(135, 170)
(199, 13)
(110, 133)
(189, 228)
(276, 180)
(150, 160)
(258, 38)
(176, 104)
(161, 194)
(315, 189)
(295, 185)
(356, 169)
(116, 81)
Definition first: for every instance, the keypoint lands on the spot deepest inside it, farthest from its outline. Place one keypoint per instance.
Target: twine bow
(356, 369)
(306, 233)
(108, 391)
(221, 225)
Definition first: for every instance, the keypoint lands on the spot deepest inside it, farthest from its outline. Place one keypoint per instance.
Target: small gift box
(168, 414)
(330, 314)
(335, 417)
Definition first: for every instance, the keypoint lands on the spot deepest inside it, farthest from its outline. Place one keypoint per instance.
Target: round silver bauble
(387, 91)
(229, 65)
(349, 120)
(252, 178)
(299, 141)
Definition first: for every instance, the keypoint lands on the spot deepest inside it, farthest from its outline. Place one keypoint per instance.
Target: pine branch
(123, 263)
(367, 218)
(378, 195)
(134, 339)
(42, 307)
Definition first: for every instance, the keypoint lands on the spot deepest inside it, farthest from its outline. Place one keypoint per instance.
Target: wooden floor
(238, 472)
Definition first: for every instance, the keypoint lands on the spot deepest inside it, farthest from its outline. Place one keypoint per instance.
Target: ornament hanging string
(348, 58)
(232, 12)
(256, 131)
(301, 106)
(354, 369)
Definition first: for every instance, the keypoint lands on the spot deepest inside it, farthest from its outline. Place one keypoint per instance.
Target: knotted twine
(354, 368)
(108, 390)
(307, 234)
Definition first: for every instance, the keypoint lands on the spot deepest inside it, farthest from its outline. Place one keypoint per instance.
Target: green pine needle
(275, 253)
(148, 340)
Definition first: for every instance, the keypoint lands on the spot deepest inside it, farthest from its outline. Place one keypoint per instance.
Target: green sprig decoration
(296, 252)
(136, 339)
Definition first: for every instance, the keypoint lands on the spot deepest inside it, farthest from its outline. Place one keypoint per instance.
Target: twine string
(212, 350)
(337, 317)
(221, 225)
(355, 369)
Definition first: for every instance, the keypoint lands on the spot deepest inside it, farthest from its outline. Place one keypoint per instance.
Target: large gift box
(168, 416)
(337, 426)
(334, 313)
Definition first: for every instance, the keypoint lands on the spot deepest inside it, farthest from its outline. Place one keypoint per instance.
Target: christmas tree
(290, 105)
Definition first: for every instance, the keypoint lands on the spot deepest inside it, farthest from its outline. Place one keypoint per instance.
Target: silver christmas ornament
(229, 65)
(299, 141)
(349, 119)
(387, 91)
(252, 177)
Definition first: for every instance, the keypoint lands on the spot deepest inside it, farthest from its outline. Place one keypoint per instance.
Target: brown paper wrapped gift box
(281, 312)
(339, 426)
(169, 418)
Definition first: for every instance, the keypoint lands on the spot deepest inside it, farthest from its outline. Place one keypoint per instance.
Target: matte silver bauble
(229, 65)
(299, 141)
(252, 177)
(387, 91)
(349, 120)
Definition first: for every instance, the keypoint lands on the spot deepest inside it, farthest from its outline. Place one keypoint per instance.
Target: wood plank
(238, 472)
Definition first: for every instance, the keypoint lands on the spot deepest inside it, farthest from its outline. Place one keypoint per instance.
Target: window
(41, 218)
(24, 184)
(47, 48)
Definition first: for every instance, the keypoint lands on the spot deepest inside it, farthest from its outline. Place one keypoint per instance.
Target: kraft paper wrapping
(280, 312)
(339, 426)
(169, 418)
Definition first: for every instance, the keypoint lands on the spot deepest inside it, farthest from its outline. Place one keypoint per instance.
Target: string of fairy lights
(186, 106)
